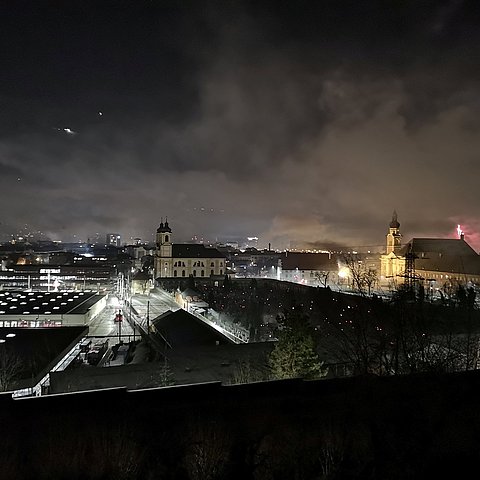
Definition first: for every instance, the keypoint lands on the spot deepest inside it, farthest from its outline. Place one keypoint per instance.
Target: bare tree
(10, 367)
(245, 372)
(208, 451)
(332, 450)
(322, 278)
(363, 278)
(370, 279)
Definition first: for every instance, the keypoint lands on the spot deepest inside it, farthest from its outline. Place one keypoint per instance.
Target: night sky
(303, 121)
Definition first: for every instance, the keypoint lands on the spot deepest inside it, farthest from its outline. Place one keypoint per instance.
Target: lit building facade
(182, 260)
(438, 263)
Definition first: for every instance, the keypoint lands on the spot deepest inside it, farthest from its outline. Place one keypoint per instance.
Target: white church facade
(184, 259)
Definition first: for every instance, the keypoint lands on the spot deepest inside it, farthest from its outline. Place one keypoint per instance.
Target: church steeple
(394, 223)
(164, 239)
(163, 254)
(394, 236)
(164, 227)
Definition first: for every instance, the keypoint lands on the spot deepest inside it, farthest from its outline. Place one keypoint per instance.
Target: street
(104, 325)
(156, 303)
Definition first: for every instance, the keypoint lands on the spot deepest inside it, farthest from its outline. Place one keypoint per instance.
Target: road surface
(156, 303)
(104, 325)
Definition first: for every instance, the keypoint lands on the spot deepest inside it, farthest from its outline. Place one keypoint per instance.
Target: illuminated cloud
(295, 124)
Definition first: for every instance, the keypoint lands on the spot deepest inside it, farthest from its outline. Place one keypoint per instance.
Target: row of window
(195, 264)
(202, 273)
(451, 277)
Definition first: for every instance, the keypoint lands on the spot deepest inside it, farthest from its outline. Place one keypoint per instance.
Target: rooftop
(194, 250)
(37, 350)
(45, 303)
(445, 246)
(307, 261)
(182, 329)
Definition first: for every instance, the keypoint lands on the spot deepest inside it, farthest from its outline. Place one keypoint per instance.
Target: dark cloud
(304, 122)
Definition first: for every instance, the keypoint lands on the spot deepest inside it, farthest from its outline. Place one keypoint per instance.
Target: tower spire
(394, 236)
(394, 223)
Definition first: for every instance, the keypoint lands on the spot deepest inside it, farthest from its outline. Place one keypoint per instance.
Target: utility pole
(120, 318)
(148, 317)
(410, 276)
(132, 322)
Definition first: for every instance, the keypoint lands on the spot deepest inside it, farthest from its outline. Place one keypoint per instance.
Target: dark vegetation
(417, 426)
(365, 333)
(377, 425)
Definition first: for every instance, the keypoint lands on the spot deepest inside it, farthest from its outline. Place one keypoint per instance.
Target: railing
(233, 332)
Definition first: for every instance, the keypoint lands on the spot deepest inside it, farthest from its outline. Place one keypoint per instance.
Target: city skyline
(306, 122)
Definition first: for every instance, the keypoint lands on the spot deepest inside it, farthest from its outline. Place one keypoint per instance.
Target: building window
(212, 264)
(221, 272)
(174, 273)
(203, 273)
(166, 238)
(194, 273)
(183, 273)
(211, 272)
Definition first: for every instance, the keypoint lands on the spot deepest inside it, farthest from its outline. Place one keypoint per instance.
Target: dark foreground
(425, 426)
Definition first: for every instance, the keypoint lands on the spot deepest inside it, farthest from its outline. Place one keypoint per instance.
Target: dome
(164, 227)
(394, 223)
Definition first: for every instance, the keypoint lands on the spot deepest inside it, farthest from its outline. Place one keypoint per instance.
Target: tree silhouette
(294, 354)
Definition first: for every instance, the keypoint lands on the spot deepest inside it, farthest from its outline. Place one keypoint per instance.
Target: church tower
(394, 236)
(163, 257)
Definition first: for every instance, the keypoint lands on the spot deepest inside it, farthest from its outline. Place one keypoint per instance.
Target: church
(436, 263)
(184, 259)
